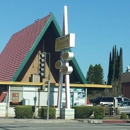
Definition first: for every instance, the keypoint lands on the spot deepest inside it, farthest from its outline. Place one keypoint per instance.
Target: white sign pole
(67, 77)
(67, 80)
(59, 101)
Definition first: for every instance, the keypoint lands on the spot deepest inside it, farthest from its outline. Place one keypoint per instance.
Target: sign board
(64, 42)
(15, 98)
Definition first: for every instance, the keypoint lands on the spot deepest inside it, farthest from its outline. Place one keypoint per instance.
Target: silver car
(121, 99)
(124, 107)
(103, 101)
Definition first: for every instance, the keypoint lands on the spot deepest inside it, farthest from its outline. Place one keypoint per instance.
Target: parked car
(124, 107)
(103, 101)
(91, 100)
(121, 99)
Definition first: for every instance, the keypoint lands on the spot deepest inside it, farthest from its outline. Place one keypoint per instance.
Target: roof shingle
(18, 47)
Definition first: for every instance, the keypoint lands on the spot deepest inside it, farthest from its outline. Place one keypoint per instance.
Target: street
(62, 126)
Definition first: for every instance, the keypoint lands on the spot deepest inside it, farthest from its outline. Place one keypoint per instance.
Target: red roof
(18, 47)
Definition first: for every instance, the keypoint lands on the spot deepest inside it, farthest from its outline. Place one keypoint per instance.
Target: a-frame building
(20, 58)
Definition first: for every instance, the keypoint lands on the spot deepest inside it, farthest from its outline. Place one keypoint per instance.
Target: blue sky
(97, 24)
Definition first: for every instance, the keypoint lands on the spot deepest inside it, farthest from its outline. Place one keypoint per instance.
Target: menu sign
(15, 98)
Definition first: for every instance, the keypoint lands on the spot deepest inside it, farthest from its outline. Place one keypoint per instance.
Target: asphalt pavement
(59, 124)
(92, 121)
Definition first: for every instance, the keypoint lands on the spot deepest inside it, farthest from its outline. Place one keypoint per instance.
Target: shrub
(83, 111)
(42, 113)
(123, 116)
(23, 111)
(99, 112)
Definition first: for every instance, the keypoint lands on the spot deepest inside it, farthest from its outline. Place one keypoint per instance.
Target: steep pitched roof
(21, 46)
(18, 47)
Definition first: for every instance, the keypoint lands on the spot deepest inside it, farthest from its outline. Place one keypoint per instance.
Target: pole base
(67, 113)
(57, 112)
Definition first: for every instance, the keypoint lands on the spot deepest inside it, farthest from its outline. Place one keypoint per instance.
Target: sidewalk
(15, 120)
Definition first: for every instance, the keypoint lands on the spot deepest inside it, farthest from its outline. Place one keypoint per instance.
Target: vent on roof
(35, 78)
(128, 69)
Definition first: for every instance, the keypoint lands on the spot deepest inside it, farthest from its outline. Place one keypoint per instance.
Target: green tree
(98, 74)
(120, 71)
(110, 70)
(113, 63)
(90, 75)
(120, 63)
(117, 66)
(115, 70)
(95, 74)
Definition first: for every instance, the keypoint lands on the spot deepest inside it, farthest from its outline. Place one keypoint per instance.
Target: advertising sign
(15, 98)
(64, 42)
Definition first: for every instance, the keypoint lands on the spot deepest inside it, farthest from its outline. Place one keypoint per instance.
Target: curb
(95, 121)
(91, 121)
(98, 121)
(60, 121)
(115, 121)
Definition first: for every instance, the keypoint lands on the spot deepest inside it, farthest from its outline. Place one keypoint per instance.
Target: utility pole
(48, 97)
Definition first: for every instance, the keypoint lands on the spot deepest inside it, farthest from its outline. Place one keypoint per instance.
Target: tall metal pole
(8, 102)
(86, 96)
(67, 77)
(48, 97)
(7, 99)
(35, 101)
(59, 99)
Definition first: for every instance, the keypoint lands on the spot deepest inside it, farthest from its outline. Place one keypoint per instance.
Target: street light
(42, 61)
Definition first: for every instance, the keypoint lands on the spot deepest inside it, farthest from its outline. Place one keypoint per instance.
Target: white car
(103, 101)
(121, 99)
(124, 107)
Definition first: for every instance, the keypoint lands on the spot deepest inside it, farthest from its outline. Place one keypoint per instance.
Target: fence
(6, 112)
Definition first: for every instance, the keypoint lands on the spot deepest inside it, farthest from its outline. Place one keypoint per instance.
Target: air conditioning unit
(35, 78)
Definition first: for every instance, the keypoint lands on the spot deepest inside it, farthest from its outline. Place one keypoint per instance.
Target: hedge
(23, 112)
(42, 113)
(99, 112)
(83, 111)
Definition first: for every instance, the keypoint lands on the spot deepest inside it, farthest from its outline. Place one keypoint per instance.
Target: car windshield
(125, 104)
(119, 100)
(126, 99)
